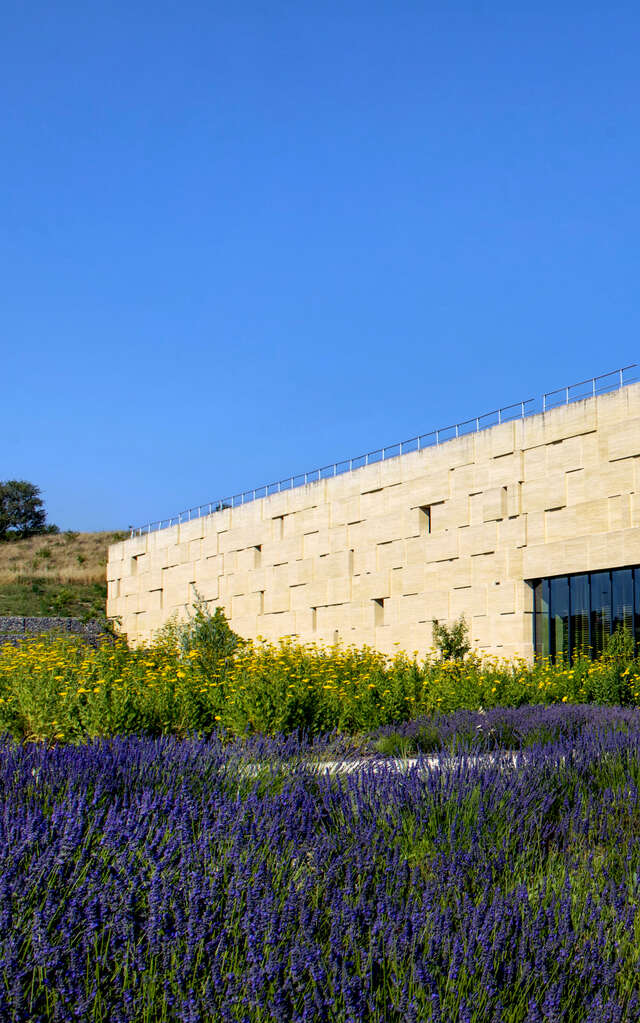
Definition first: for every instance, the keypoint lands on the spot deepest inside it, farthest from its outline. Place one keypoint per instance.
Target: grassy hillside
(61, 574)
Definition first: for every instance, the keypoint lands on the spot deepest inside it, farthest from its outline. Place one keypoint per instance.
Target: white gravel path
(423, 764)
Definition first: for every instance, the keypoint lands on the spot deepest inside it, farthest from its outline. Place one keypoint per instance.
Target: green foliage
(619, 647)
(62, 601)
(198, 676)
(22, 512)
(38, 596)
(452, 642)
(205, 640)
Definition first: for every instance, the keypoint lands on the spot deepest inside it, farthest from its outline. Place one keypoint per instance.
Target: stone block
(334, 566)
(512, 533)
(467, 602)
(478, 539)
(299, 597)
(501, 597)
(462, 480)
(192, 530)
(494, 504)
(450, 514)
(315, 545)
(339, 590)
(458, 574)
(342, 512)
(619, 512)
(412, 578)
(371, 587)
(300, 572)
(246, 605)
(506, 471)
(365, 561)
(502, 439)
(338, 539)
(116, 551)
(433, 489)
(564, 455)
(443, 546)
(534, 462)
(541, 495)
(391, 554)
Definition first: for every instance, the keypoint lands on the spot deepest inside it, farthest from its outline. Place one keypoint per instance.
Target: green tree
(452, 642)
(208, 638)
(22, 510)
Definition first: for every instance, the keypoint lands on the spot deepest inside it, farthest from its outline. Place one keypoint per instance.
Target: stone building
(529, 528)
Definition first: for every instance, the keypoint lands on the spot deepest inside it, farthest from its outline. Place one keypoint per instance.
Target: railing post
(522, 408)
(477, 424)
(499, 416)
(437, 436)
(544, 403)
(566, 396)
(621, 372)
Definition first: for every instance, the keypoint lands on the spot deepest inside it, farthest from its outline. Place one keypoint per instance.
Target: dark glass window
(636, 573)
(541, 611)
(580, 639)
(600, 610)
(560, 618)
(622, 586)
(577, 613)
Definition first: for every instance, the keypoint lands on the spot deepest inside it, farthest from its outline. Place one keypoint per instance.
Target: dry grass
(62, 557)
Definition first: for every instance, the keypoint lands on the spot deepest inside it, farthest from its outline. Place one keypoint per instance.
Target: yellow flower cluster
(63, 690)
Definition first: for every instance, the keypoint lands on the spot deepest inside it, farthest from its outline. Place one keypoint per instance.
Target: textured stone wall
(13, 629)
(375, 555)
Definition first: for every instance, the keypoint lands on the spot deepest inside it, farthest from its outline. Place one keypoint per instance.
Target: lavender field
(157, 879)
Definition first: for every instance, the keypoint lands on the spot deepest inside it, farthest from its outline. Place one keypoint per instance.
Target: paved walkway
(423, 764)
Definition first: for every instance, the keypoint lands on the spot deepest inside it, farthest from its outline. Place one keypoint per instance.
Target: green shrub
(452, 642)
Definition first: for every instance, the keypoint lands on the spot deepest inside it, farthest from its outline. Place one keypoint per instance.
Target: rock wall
(14, 629)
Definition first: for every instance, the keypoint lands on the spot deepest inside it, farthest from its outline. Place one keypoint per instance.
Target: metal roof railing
(603, 384)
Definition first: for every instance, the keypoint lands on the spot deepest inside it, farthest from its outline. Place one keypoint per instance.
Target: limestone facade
(374, 555)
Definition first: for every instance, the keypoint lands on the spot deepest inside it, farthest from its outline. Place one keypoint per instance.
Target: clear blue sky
(241, 241)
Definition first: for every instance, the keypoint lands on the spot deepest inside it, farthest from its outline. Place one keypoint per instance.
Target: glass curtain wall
(580, 632)
(541, 617)
(560, 618)
(577, 613)
(600, 610)
(622, 593)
